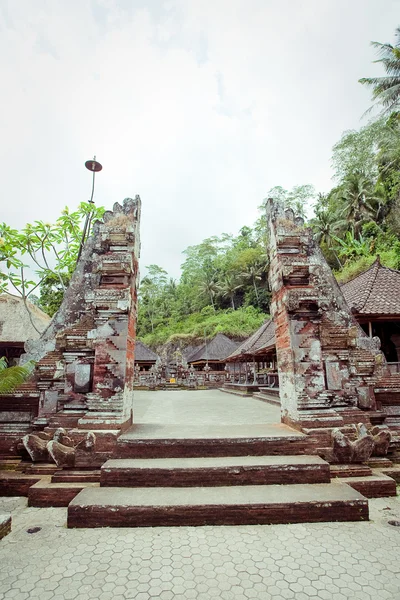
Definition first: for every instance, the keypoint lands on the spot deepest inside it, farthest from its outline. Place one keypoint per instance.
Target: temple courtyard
(43, 559)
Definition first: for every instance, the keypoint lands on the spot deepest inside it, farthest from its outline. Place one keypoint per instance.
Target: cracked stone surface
(328, 561)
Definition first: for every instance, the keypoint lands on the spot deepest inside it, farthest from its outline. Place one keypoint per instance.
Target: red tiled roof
(376, 291)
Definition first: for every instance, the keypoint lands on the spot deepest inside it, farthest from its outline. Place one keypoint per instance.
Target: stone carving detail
(36, 446)
(60, 449)
(382, 438)
(347, 451)
(367, 443)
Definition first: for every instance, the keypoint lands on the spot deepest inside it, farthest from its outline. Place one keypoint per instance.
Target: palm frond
(12, 377)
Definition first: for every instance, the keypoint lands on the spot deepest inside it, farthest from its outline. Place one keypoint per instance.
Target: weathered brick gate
(85, 359)
(331, 374)
(76, 407)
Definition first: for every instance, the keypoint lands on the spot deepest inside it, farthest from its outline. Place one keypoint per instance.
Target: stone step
(350, 470)
(214, 471)
(13, 483)
(372, 486)
(45, 493)
(9, 464)
(393, 472)
(236, 505)
(157, 441)
(271, 396)
(73, 475)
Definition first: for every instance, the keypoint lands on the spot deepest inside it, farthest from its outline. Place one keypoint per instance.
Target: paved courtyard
(328, 561)
(335, 561)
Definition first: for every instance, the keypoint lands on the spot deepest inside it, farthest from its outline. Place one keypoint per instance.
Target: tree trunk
(255, 289)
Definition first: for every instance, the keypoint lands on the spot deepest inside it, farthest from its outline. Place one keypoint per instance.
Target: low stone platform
(16, 484)
(372, 486)
(45, 493)
(5, 525)
(237, 505)
(186, 472)
(241, 389)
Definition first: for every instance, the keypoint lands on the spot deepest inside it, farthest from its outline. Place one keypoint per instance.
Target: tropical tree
(208, 287)
(298, 198)
(359, 201)
(43, 253)
(386, 90)
(12, 377)
(325, 226)
(228, 288)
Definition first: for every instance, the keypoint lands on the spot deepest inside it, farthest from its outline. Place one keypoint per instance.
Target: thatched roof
(15, 321)
(261, 341)
(376, 291)
(215, 350)
(143, 353)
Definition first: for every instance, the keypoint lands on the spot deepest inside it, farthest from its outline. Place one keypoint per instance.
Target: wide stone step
(236, 505)
(177, 441)
(214, 471)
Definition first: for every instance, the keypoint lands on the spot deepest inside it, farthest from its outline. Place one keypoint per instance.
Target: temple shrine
(69, 436)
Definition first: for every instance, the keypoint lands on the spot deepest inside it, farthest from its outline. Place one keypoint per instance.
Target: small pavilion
(145, 358)
(212, 353)
(256, 354)
(374, 299)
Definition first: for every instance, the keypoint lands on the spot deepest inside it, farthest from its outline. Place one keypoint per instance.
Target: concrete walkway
(201, 407)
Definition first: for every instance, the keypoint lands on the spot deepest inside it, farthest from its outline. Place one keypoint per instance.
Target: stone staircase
(214, 480)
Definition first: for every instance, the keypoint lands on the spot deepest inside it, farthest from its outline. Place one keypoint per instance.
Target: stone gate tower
(84, 371)
(327, 365)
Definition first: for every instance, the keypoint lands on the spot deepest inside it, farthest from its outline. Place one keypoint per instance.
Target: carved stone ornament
(347, 451)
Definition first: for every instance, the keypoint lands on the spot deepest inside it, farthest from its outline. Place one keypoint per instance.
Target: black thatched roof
(216, 349)
(262, 339)
(143, 353)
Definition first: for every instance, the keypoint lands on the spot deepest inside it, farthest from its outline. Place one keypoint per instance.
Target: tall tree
(386, 90)
(358, 198)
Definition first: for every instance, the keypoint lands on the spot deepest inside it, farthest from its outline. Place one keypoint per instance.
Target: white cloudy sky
(199, 106)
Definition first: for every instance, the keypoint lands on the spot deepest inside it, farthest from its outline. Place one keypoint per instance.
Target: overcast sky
(199, 106)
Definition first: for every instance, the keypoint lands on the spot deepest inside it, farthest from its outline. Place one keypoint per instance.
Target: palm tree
(209, 287)
(386, 90)
(358, 199)
(253, 274)
(12, 377)
(325, 226)
(228, 288)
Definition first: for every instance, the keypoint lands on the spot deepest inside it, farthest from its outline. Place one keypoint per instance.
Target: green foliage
(298, 198)
(12, 377)
(43, 255)
(220, 274)
(239, 323)
(386, 90)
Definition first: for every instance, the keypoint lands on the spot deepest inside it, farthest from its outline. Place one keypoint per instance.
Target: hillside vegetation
(223, 286)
